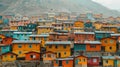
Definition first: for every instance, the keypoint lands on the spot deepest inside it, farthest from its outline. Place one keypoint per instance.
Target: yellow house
(45, 22)
(97, 25)
(61, 48)
(43, 38)
(81, 61)
(20, 47)
(44, 29)
(67, 26)
(13, 27)
(109, 44)
(108, 61)
(8, 57)
(110, 28)
(2, 36)
(79, 24)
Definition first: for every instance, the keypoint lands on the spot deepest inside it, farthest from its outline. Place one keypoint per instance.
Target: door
(59, 55)
(115, 63)
(60, 62)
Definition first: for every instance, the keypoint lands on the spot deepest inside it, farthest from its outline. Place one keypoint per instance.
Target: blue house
(31, 27)
(22, 28)
(22, 35)
(7, 33)
(5, 48)
(6, 21)
(102, 34)
(79, 47)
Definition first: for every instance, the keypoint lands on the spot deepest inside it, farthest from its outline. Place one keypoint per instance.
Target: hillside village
(59, 40)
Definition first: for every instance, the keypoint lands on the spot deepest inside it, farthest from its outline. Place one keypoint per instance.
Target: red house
(32, 56)
(80, 37)
(7, 40)
(93, 61)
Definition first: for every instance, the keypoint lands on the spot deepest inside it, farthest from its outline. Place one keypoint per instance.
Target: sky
(112, 4)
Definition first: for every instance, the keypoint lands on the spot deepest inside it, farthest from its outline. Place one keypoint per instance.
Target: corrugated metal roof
(92, 42)
(45, 27)
(64, 59)
(43, 35)
(26, 41)
(22, 32)
(108, 57)
(115, 34)
(104, 32)
(58, 43)
(84, 33)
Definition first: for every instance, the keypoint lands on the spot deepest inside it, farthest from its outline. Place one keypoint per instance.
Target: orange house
(63, 62)
(48, 57)
(32, 55)
(109, 44)
(81, 61)
(20, 47)
(79, 24)
(2, 36)
(8, 57)
(93, 46)
(7, 40)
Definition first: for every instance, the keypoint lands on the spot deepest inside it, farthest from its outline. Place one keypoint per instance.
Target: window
(64, 46)
(56, 61)
(19, 46)
(111, 41)
(94, 60)
(5, 56)
(83, 60)
(92, 46)
(79, 60)
(50, 46)
(12, 56)
(56, 46)
(30, 46)
(67, 61)
(105, 41)
(64, 53)
(110, 47)
(106, 61)
(32, 56)
(20, 52)
(49, 55)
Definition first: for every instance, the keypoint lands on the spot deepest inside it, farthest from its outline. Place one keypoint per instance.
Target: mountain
(35, 7)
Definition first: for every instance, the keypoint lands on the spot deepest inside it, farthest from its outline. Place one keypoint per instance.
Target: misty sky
(112, 4)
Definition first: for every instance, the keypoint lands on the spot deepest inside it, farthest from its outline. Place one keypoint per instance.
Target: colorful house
(102, 34)
(43, 38)
(31, 56)
(67, 26)
(2, 36)
(48, 57)
(31, 27)
(109, 44)
(108, 61)
(93, 61)
(5, 48)
(93, 46)
(20, 47)
(7, 33)
(80, 37)
(22, 28)
(21, 35)
(57, 26)
(45, 22)
(79, 24)
(61, 48)
(44, 29)
(58, 36)
(110, 28)
(79, 47)
(97, 25)
(88, 27)
(81, 61)
(8, 57)
(63, 62)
